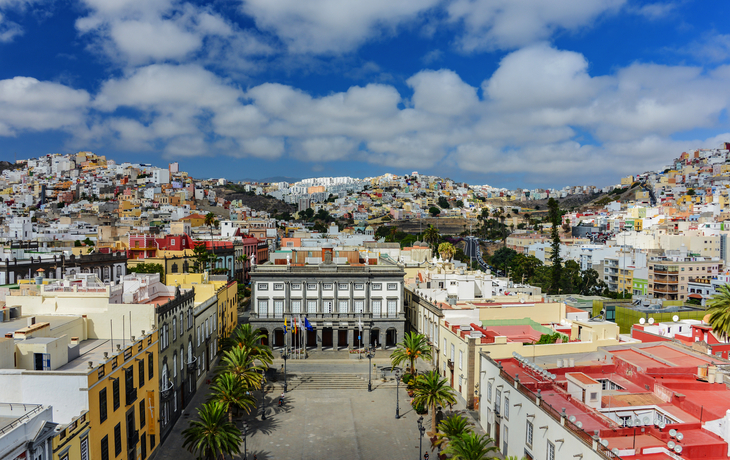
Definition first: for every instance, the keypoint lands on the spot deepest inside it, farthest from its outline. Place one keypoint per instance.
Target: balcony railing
(131, 396)
(132, 439)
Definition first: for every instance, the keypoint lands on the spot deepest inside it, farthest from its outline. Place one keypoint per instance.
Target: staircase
(304, 382)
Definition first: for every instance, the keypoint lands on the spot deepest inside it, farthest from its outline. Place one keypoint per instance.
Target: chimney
(74, 340)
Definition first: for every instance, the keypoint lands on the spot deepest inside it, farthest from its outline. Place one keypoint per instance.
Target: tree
(239, 362)
(452, 428)
(252, 340)
(691, 192)
(471, 446)
(434, 211)
(309, 213)
(432, 236)
(202, 259)
(212, 436)
(459, 204)
(227, 390)
(443, 202)
(413, 347)
(502, 258)
(447, 251)
(430, 390)
(209, 222)
(718, 307)
(556, 270)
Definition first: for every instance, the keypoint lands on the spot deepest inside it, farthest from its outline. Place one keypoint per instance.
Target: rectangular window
(278, 286)
(328, 306)
(342, 286)
(550, 451)
(296, 306)
(140, 371)
(452, 353)
(181, 325)
(489, 391)
(118, 439)
(498, 402)
(359, 287)
(461, 358)
(359, 306)
(505, 440)
(392, 308)
(377, 308)
(150, 366)
(198, 335)
(102, 405)
(174, 329)
(376, 286)
(141, 414)
(115, 393)
(311, 306)
(278, 308)
(105, 448)
(296, 286)
(143, 445)
(262, 286)
(392, 286)
(445, 346)
(528, 436)
(263, 308)
(506, 408)
(311, 286)
(327, 286)
(343, 306)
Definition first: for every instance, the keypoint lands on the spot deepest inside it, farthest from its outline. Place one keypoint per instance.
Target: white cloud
(442, 92)
(505, 24)
(332, 26)
(27, 104)
(8, 30)
(712, 47)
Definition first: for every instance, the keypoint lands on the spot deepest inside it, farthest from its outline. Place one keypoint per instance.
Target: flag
(294, 324)
(307, 324)
(286, 326)
(359, 323)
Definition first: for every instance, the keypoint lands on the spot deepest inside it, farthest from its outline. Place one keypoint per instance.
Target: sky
(510, 93)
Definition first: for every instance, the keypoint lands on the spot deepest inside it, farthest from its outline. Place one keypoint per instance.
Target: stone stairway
(303, 382)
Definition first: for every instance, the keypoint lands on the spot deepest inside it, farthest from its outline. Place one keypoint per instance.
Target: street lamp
(421, 430)
(284, 356)
(244, 432)
(397, 387)
(263, 400)
(370, 353)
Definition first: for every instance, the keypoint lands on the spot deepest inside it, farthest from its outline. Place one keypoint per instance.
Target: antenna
(651, 320)
(615, 451)
(671, 445)
(645, 420)
(572, 418)
(678, 449)
(604, 442)
(662, 425)
(629, 422)
(642, 320)
(675, 318)
(680, 436)
(672, 432)
(579, 424)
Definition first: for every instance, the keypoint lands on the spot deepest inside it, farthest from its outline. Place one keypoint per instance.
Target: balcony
(666, 289)
(131, 396)
(193, 365)
(666, 269)
(663, 279)
(450, 363)
(132, 439)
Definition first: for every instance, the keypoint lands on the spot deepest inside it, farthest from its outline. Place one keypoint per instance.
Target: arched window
(181, 324)
(174, 329)
(182, 360)
(164, 376)
(174, 365)
(190, 351)
(174, 268)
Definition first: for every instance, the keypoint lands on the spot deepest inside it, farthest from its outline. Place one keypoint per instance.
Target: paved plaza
(323, 423)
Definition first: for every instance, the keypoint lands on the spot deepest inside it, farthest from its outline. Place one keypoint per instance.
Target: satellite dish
(678, 449)
(615, 451)
(642, 320)
(514, 354)
(672, 432)
(579, 424)
(680, 436)
(675, 318)
(662, 425)
(651, 320)
(604, 442)
(572, 418)
(637, 421)
(671, 445)
(629, 422)
(645, 420)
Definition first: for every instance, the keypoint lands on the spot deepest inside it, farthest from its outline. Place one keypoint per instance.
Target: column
(335, 338)
(381, 336)
(319, 338)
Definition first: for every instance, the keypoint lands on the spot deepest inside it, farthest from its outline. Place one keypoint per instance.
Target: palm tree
(209, 222)
(245, 336)
(471, 446)
(431, 390)
(718, 307)
(239, 362)
(227, 390)
(452, 428)
(432, 236)
(212, 436)
(447, 251)
(412, 347)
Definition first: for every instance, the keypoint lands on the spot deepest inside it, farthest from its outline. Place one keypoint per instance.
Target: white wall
(65, 392)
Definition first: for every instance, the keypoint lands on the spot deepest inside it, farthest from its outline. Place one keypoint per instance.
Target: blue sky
(531, 93)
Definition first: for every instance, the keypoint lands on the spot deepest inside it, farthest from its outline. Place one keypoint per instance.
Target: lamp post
(263, 400)
(370, 354)
(284, 356)
(244, 432)
(397, 387)
(421, 430)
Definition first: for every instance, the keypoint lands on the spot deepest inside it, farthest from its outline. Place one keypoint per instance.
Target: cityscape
(413, 230)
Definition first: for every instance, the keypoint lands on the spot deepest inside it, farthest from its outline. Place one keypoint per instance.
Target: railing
(26, 416)
(665, 289)
(132, 438)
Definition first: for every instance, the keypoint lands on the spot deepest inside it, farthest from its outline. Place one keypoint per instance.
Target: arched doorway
(312, 338)
(391, 337)
(278, 337)
(342, 336)
(265, 338)
(374, 337)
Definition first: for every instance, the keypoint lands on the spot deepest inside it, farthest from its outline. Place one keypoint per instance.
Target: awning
(695, 296)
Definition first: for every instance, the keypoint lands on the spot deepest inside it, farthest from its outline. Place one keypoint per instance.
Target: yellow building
(226, 293)
(626, 279)
(72, 438)
(227, 308)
